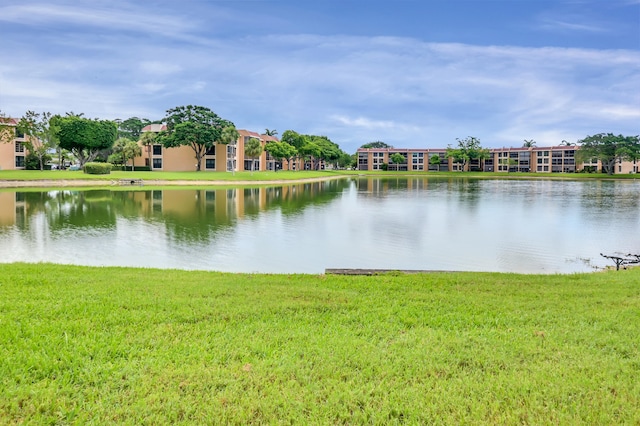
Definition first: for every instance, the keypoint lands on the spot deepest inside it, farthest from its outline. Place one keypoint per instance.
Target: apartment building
(12, 145)
(555, 159)
(219, 158)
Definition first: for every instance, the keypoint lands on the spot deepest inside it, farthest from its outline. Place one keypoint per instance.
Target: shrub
(97, 168)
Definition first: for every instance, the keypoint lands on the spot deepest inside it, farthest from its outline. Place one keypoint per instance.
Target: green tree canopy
(41, 135)
(397, 159)
(194, 126)
(85, 138)
(468, 149)
(131, 128)
(609, 149)
(281, 150)
(293, 138)
(118, 155)
(434, 160)
(148, 139)
(253, 149)
(377, 144)
(529, 143)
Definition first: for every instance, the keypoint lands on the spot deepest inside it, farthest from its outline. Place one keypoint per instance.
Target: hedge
(97, 168)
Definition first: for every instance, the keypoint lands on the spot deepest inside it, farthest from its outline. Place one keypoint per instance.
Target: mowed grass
(33, 175)
(140, 346)
(266, 176)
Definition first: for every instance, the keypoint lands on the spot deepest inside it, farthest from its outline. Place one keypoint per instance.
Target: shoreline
(70, 183)
(121, 182)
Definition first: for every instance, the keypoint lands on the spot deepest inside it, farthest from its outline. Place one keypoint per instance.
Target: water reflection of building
(188, 214)
(8, 208)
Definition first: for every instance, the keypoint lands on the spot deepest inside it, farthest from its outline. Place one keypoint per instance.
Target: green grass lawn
(27, 175)
(140, 346)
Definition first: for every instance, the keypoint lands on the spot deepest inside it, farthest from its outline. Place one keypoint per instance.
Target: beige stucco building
(12, 146)
(220, 158)
(554, 159)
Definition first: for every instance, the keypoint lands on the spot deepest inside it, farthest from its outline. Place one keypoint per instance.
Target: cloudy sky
(411, 73)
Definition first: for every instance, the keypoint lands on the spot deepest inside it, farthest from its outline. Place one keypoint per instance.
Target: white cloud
(353, 89)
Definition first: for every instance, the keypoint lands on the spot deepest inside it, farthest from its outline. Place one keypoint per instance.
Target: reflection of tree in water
(187, 215)
(65, 210)
(292, 199)
(197, 215)
(610, 200)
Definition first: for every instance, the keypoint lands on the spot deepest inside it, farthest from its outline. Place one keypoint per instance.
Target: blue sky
(411, 73)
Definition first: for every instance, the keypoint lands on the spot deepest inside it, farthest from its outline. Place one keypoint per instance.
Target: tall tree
(147, 140)
(85, 138)
(377, 144)
(131, 128)
(397, 159)
(468, 149)
(609, 149)
(435, 161)
(310, 151)
(194, 126)
(253, 149)
(41, 135)
(529, 143)
(7, 129)
(281, 151)
(270, 132)
(117, 155)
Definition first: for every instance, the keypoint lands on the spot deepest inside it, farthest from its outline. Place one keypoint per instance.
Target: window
(157, 150)
(157, 163)
(211, 150)
(210, 163)
(19, 160)
(19, 147)
(19, 134)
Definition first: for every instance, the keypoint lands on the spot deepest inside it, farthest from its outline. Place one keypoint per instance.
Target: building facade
(219, 158)
(555, 159)
(13, 149)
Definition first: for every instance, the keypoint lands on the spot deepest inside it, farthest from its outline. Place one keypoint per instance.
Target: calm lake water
(442, 224)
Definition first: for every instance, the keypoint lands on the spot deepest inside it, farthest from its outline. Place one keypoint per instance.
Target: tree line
(120, 141)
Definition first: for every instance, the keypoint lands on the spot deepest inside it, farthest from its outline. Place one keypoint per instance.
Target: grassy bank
(102, 345)
(34, 175)
(66, 175)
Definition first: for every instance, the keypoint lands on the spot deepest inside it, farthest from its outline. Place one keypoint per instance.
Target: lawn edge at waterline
(55, 179)
(136, 345)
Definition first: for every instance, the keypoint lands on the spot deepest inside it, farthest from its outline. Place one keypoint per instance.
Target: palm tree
(147, 139)
(252, 149)
(130, 151)
(529, 143)
(229, 136)
(270, 132)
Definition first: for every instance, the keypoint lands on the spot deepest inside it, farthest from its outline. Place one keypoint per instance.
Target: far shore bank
(133, 179)
(55, 183)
